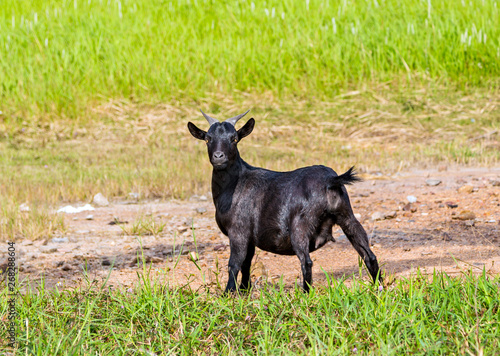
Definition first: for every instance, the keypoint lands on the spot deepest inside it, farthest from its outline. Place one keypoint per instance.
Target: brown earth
(425, 235)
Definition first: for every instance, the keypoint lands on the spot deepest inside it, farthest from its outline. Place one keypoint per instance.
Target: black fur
(287, 213)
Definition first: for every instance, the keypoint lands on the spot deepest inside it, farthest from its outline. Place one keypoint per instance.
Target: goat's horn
(210, 120)
(235, 119)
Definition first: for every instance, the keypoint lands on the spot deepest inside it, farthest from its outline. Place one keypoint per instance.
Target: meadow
(95, 96)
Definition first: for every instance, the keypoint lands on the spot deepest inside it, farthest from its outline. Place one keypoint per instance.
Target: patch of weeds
(144, 226)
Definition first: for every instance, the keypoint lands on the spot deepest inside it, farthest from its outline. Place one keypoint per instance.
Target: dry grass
(121, 147)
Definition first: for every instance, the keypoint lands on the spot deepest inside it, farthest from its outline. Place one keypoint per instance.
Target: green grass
(63, 57)
(420, 315)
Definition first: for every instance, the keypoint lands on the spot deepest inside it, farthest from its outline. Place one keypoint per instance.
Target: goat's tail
(349, 177)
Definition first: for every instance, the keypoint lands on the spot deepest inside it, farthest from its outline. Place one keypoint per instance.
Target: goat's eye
(235, 139)
(207, 139)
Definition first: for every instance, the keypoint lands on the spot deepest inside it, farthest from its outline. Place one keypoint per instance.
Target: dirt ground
(425, 235)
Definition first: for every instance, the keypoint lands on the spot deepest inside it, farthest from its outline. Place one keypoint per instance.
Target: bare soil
(425, 236)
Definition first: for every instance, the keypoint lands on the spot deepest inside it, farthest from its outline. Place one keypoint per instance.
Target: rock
(58, 263)
(432, 182)
(106, 262)
(24, 207)
(203, 198)
(492, 221)
(220, 247)
(193, 256)
(469, 223)
(357, 216)
(446, 236)
(100, 200)
(60, 239)
(201, 210)
(451, 205)
(411, 199)
(466, 189)
(259, 271)
(89, 217)
(465, 215)
(410, 207)
(66, 267)
(496, 183)
(378, 216)
(182, 229)
(391, 215)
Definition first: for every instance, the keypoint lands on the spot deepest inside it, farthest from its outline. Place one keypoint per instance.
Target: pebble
(451, 205)
(60, 239)
(203, 198)
(100, 200)
(410, 207)
(201, 210)
(50, 250)
(469, 223)
(66, 267)
(391, 215)
(378, 216)
(492, 221)
(466, 189)
(193, 256)
(465, 215)
(496, 183)
(106, 262)
(432, 182)
(411, 199)
(89, 217)
(357, 216)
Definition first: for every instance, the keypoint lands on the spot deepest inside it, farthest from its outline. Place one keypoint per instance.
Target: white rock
(357, 216)
(68, 209)
(89, 217)
(24, 207)
(100, 200)
(411, 199)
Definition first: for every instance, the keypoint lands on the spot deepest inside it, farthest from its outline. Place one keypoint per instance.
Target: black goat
(288, 213)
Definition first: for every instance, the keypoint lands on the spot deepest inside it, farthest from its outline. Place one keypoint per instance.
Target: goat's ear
(196, 132)
(246, 129)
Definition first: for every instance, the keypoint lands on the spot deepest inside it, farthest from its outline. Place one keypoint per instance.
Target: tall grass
(62, 56)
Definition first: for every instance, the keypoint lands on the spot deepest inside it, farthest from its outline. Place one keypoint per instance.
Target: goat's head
(222, 139)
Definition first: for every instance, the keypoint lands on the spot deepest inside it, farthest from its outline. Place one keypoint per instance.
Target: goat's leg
(239, 248)
(300, 244)
(359, 240)
(245, 268)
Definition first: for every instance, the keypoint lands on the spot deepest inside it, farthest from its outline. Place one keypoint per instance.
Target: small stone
(469, 223)
(66, 267)
(182, 229)
(89, 217)
(60, 239)
(193, 256)
(492, 221)
(201, 210)
(446, 236)
(411, 199)
(203, 198)
(83, 232)
(50, 250)
(426, 253)
(59, 263)
(465, 215)
(391, 215)
(466, 189)
(451, 205)
(432, 182)
(378, 216)
(496, 183)
(357, 216)
(106, 262)
(100, 200)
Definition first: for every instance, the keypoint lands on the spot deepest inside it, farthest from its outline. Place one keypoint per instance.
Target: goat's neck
(224, 183)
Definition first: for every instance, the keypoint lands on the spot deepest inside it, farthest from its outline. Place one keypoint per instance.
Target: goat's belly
(280, 246)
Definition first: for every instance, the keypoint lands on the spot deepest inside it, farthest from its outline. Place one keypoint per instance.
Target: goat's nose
(218, 155)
